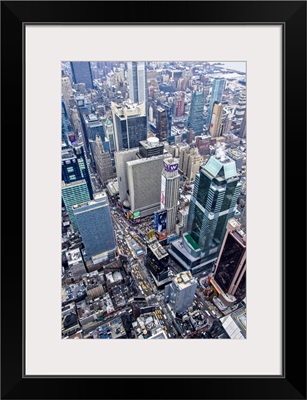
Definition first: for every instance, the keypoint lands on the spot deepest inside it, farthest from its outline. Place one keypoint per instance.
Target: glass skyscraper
(95, 225)
(218, 88)
(213, 203)
(82, 73)
(74, 193)
(137, 81)
(74, 166)
(130, 124)
(196, 117)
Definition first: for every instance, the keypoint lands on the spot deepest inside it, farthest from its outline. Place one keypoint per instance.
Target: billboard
(136, 214)
(160, 221)
(170, 167)
(163, 184)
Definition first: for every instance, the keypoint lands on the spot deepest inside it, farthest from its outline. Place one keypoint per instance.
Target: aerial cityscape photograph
(154, 199)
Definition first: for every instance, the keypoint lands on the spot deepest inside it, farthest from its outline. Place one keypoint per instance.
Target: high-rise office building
(216, 120)
(137, 81)
(93, 127)
(213, 203)
(144, 184)
(170, 191)
(242, 132)
(196, 116)
(103, 162)
(121, 159)
(95, 226)
(217, 91)
(161, 124)
(229, 278)
(109, 132)
(130, 124)
(66, 92)
(180, 293)
(157, 259)
(241, 107)
(74, 166)
(66, 127)
(82, 73)
(74, 193)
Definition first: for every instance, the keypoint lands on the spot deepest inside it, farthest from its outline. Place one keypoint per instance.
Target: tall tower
(82, 73)
(137, 81)
(109, 132)
(66, 92)
(180, 293)
(74, 167)
(162, 122)
(95, 225)
(242, 132)
(230, 272)
(218, 88)
(170, 191)
(213, 203)
(196, 117)
(103, 162)
(216, 120)
(74, 193)
(130, 124)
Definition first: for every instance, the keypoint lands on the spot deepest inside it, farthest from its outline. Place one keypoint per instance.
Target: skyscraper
(82, 73)
(216, 120)
(121, 159)
(218, 88)
(74, 166)
(170, 191)
(213, 203)
(229, 277)
(66, 92)
(95, 226)
(130, 124)
(74, 193)
(137, 81)
(103, 162)
(109, 132)
(242, 132)
(196, 117)
(180, 293)
(144, 184)
(162, 130)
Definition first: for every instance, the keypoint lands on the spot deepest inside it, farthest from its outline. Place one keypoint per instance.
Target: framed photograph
(114, 106)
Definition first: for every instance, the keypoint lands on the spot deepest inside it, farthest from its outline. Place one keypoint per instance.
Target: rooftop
(217, 165)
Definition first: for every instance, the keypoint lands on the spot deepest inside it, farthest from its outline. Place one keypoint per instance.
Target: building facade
(180, 293)
(74, 166)
(170, 191)
(95, 226)
(216, 190)
(217, 91)
(229, 278)
(130, 124)
(196, 116)
(74, 193)
(82, 73)
(103, 162)
(216, 120)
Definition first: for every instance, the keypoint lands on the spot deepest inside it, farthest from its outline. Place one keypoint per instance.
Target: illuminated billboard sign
(136, 214)
(160, 221)
(170, 167)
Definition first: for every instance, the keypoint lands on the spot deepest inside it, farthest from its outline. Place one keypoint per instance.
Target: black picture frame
(292, 384)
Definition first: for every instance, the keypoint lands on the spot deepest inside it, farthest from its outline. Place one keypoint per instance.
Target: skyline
(146, 159)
